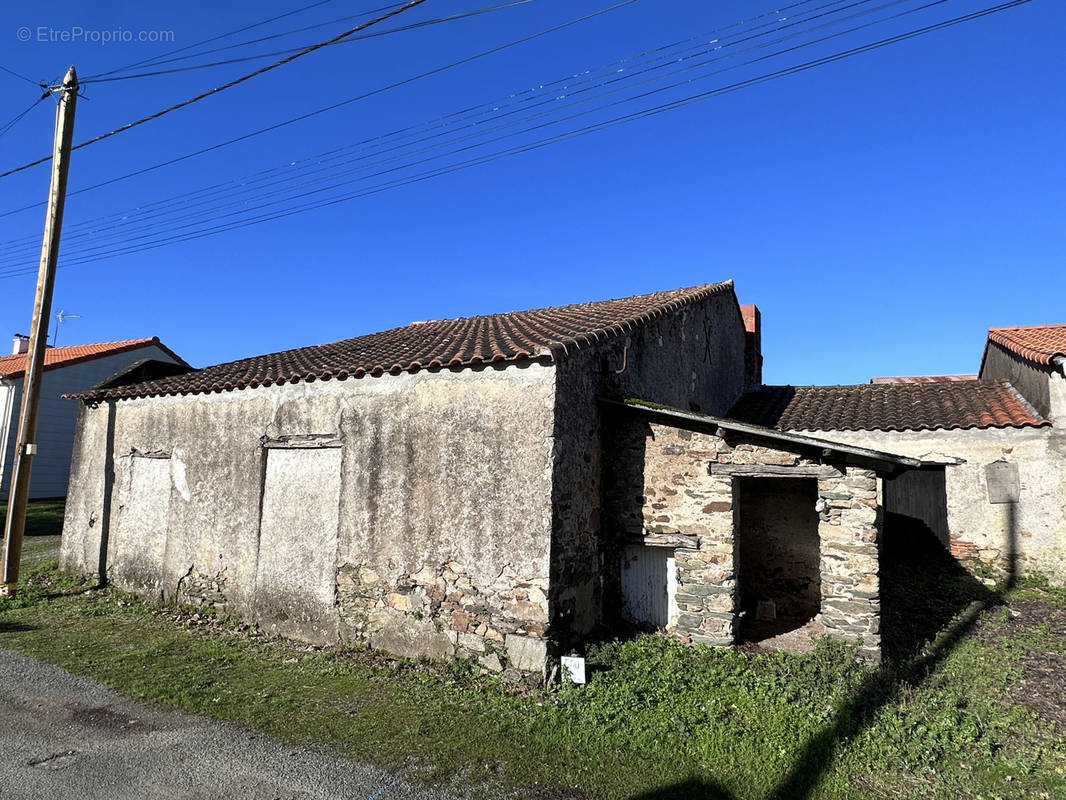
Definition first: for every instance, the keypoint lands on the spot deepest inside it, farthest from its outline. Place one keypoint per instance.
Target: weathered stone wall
(693, 359)
(1033, 528)
(686, 491)
(440, 516)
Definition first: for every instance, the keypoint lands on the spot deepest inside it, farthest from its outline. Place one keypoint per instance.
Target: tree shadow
(16, 627)
(691, 789)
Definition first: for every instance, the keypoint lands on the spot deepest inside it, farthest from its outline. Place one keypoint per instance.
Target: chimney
(20, 345)
(752, 346)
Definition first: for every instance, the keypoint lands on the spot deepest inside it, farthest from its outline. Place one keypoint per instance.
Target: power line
(341, 104)
(155, 58)
(371, 35)
(162, 58)
(22, 77)
(18, 117)
(229, 85)
(526, 147)
(668, 52)
(246, 186)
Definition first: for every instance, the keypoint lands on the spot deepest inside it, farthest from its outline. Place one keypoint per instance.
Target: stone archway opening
(779, 584)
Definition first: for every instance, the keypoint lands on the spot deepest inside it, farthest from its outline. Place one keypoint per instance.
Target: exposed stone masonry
(439, 612)
(678, 486)
(201, 589)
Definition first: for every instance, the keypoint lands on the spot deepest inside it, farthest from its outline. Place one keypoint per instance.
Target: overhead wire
(22, 77)
(19, 117)
(360, 37)
(247, 185)
(343, 103)
(544, 142)
(228, 85)
(217, 37)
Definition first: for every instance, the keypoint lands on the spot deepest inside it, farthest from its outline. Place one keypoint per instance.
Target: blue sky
(883, 211)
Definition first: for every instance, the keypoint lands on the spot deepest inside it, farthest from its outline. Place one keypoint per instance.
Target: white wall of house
(55, 422)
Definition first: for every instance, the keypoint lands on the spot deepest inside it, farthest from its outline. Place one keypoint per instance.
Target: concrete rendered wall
(693, 360)
(1034, 527)
(435, 535)
(55, 421)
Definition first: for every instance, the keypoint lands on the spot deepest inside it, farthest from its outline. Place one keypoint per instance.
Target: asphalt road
(63, 736)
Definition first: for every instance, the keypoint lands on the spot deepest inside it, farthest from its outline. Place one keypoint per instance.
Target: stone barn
(506, 486)
(433, 489)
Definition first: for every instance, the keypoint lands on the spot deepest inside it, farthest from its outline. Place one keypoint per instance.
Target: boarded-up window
(298, 532)
(138, 538)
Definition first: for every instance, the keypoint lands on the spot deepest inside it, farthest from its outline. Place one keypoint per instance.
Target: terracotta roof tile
(1038, 343)
(55, 357)
(465, 342)
(919, 406)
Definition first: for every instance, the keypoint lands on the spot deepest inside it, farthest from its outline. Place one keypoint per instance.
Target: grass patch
(43, 517)
(657, 719)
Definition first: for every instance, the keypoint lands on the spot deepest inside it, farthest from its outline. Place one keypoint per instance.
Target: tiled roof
(450, 343)
(924, 378)
(1038, 343)
(888, 407)
(56, 357)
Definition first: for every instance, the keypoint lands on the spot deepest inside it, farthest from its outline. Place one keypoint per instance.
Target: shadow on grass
(692, 789)
(16, 627)
(930, 605)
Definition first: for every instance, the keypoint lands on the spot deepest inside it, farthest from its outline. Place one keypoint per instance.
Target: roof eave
(861, 456)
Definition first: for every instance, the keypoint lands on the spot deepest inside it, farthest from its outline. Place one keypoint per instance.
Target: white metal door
(649, 581)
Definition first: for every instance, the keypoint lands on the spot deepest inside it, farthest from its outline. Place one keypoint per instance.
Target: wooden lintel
(775, 471)
(674, 540)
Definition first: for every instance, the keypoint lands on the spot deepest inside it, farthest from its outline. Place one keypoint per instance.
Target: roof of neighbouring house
(548, 333)
(924, 378)
(1037, 343)
(56, 357)
(946, 405)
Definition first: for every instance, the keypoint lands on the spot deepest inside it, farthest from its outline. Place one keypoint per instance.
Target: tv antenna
(60, 318)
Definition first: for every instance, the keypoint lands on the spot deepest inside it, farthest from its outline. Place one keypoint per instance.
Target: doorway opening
(779, 564)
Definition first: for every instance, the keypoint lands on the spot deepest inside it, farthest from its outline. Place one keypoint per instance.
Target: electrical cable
(526, 147)
(247, 185)
(261, 23)
(228, 85)
(334, 106)
(361, 37)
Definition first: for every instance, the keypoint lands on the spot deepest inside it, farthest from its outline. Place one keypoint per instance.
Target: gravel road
(63, 736)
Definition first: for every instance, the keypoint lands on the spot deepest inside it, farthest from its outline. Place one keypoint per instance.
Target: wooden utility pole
(25, 446)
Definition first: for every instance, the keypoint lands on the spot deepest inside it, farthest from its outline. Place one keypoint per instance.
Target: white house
(66, 370)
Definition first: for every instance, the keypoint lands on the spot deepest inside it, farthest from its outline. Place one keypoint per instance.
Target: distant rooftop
(924, 378)
(915, 406)
(55, 357)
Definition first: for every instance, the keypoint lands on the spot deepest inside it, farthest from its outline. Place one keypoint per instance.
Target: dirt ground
(1041, 688)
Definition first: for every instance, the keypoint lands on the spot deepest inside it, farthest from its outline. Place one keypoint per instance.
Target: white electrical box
(573, 668)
